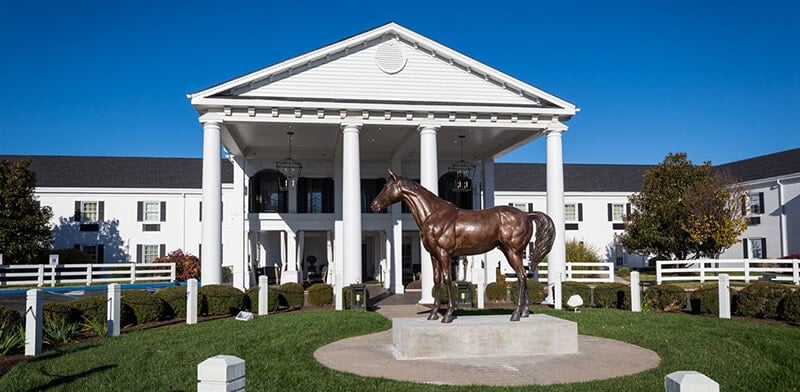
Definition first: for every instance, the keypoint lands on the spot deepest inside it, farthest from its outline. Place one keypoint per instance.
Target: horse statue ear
(392, 175)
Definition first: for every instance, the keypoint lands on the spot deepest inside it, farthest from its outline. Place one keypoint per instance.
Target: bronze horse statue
(448, 231)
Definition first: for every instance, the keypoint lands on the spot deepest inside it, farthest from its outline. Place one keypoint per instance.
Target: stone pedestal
(483, 336)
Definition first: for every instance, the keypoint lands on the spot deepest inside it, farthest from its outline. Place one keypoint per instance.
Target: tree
(24, 224)
(684, 209)
(186, 265)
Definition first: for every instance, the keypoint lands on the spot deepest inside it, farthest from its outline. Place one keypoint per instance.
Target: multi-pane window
(89, 211)
(152, 211)
(757, 248)
(91, 250)
(757, 203)
(149, 253)
(520, 206)
(617, 212)
(570, 212)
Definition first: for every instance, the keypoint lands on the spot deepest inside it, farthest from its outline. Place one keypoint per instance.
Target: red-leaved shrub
(186, 265)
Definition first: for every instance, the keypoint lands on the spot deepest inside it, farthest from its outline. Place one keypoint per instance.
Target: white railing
(780, 270)
(89, 274)
(587, 272)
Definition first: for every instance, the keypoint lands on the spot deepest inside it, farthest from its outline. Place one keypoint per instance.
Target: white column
(385, 246)
(290, 258)
(329, 257)
(488, 183)
(33, 323)
(351, 202)
(113, 309)
(636, 293)
(556, 261)
(211, 269)
(397, 239)
(724, 296)
(485, 268)
(429, 177)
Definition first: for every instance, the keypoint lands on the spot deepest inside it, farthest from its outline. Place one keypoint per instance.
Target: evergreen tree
(24, 224)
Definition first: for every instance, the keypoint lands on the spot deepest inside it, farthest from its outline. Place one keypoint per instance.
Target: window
(89, 211)
(152, 211)
(369, 190)
(757, 203)
(264, 193)
(755, 248)
(570, 212)
(94, 250)
(525, 207)
(315, 195)
(617, 212)
(148, 253)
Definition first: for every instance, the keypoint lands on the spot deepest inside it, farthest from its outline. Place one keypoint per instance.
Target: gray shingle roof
(765, 166)
(119, 172)
(577, 177)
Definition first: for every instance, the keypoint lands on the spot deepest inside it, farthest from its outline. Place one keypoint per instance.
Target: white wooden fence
(587, 272)
(58, 274)
(780, 270)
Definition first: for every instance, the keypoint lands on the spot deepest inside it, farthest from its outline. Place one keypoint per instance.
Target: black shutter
(763, 248)
(530, 207)
(328, 195)
(201, 211)
(101, 254)
(628, 209)
(302, 195)
(139, 211)
(200, 251)
(162, 250)
(138, 253)
(163, 211)
(744, 254)
(77, 216)
(580, 212)
(511, 204)
(760, 202)
(101, 211)
(610, 213)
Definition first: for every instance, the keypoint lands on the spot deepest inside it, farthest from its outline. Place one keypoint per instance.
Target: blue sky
(719, 80)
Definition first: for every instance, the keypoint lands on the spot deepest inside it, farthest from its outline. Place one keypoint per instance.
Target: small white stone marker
(113, 309)
(191, 301)
(636, 292)
(221, 373)
(263, 298)
(724, 296)
(689, 381)
(33, 323)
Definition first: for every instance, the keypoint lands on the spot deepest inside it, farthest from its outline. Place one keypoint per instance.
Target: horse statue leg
(437, 280)
(515, 260)
(444, 265)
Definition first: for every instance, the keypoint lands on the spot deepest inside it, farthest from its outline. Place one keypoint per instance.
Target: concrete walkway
(373, 356)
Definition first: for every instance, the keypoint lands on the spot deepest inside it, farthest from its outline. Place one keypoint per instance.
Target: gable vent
(390, 57)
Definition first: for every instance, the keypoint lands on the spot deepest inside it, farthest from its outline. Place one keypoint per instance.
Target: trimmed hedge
(791, 306)
(760, 299)
(612, 295)
(146, 307)
(94, 309)
(666, 298)
(705, 300)
(59, 312)
(497, 292)
(252, 299)
(9, 318)
(536, 292)
(291, 295)
(221, 300)
(320, 294)
(175, 297)
(568, 289)
(624, 272)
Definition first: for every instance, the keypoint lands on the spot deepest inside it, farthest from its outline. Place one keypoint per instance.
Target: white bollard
(221, 373)
(191, 301)
(113, 309)
(724, 296)
(33, 323)
(636, 292)
(479, 275)
(337, 291)
(557, 291)
(263, 297)
(689, 381)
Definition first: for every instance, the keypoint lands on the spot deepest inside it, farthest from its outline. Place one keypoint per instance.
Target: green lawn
(278, 350)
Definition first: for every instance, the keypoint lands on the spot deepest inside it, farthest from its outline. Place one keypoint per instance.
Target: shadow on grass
(66, 379)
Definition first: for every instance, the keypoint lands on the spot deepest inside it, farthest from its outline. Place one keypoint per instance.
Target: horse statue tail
(545, 235)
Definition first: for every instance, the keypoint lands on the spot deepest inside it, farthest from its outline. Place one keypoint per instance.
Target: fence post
(747, 270)
(133, 273)
(702, 270)
(636, 292)
(172, 272)
(724, 296)
(263, 295)
(658, 271)
(191, 301)
(33, 323)
(114, 305)
(89, 273)
(796, 271)
(223, 373)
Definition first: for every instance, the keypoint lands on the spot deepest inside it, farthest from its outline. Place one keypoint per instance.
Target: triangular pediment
(389, 64)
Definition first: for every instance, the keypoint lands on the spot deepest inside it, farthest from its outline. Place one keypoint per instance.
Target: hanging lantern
(289, 168)
(463, 171)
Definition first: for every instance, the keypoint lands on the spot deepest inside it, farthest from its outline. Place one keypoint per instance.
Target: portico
(388, 97)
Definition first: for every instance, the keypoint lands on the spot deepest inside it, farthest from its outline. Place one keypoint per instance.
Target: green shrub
(290, 295)
(59, 332)
(9, 319)
(146, 307)
(57, 312)
(252, 299)
(320, 294)
(186, 266)
(536, 292)
(346, 300)
(612, 295)
(705, 300)
(443, 292)
(11, 338)
(93, 309)
(568, 289)
(221, 300)
(791, 306)
(666, 298)
(624, 272)
(175, 297)
(760, 299)
(497, 292)
(578, 251)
